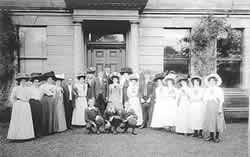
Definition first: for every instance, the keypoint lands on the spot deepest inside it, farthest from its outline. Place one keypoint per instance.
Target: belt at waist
(22, 100)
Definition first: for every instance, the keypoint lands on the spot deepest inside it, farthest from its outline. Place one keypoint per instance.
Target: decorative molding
(111, 15)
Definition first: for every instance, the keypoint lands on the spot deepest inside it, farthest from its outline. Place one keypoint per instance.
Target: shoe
(141, 127)
(133, 133)
(209, 139)
(217, 140)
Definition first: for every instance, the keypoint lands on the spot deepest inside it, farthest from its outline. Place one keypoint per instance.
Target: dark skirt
(48, 103)
(36, 110)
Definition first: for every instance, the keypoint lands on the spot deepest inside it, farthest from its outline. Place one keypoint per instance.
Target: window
(176, 53)
(229, 59)
(106, 37)
(33, 49)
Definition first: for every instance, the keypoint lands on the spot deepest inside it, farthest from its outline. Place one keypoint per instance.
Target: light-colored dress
(214, 99)
(78, 117)
(160, 117)
(21, 124)
(60, 121)
(170, 100)
(134, 102)
(197, 108)
(183, 111)
(115, 98)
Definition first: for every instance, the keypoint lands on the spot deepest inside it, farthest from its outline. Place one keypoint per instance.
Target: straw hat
(115, 75)
(60, 76)
(91, 70)
(159, 76)
(170, 76)
(21, 76)
(134, 77)
(36, 76)
(126, 70)
(182, 77)
(196, 77)
(47, 75)
(216, 77)
(81, 75)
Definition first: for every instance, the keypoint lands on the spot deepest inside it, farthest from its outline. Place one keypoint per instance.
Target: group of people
(46, 103)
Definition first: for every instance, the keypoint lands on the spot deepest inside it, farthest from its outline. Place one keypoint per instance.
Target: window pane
(101, 37)
(230, 73)
(176, 50)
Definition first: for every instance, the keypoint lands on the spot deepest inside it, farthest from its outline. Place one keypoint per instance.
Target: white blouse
(215, 93)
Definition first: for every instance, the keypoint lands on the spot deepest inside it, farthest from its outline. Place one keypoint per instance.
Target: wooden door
(113, 57)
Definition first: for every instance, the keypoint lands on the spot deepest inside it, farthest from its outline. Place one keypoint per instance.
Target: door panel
(113, 57)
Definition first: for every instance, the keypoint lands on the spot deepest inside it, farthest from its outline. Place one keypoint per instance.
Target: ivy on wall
(203, 43)
(9, 43)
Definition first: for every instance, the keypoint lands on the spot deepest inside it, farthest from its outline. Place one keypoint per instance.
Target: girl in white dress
(78, 117)
(133, 98)
(214, 121)
(160, 118)
(170, 100)
(21, 124)
(183, 108)
(197, 106)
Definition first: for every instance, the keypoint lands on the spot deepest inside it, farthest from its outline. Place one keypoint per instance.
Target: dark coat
(66, 95)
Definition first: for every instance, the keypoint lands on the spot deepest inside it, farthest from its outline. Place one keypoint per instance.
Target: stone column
(78, 48)
(133, 54)
(246, 60)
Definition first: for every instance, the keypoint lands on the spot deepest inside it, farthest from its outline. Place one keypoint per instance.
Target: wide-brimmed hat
(196, 77)
(134, 77)
(182, 77)
(60, 76)
(21, 76)
(83, 75)
(216, 77)
(47, 75)
(115, 75)
(170, 76)
(91, 70)
(35, 76)
(159, 76)
(126, 70)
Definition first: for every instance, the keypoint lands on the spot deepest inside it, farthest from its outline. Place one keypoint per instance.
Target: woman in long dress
(59, 119)
(35, 103)
(170, 100)
(183, 108)
(21, 124)
(48, 103)
(159, 117)
(197, 106)
(78, 117)
(214, 121)
(115, 94)
(133, 98)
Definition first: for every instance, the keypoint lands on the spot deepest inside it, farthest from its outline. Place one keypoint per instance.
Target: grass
(148, 143)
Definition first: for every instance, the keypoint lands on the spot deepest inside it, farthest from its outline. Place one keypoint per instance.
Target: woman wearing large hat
(35, 103)
(183, 107)
(133, 97)
(59, 116)
(214, 98)
(171, 94)
(197, 106)
(78, 117)
(48, 102)
(21, 124)
(115, 94)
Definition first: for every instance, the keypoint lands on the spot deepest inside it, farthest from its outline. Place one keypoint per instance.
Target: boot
(195, 134)
(217, 139)
(133, 131)
(211, 137)
(200, 134)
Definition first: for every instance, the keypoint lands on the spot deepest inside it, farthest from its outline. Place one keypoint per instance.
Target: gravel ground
(148, 143)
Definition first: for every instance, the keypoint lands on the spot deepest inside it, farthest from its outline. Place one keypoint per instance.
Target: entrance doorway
(106, 44)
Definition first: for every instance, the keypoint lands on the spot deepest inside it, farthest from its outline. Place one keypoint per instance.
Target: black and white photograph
(124, 78)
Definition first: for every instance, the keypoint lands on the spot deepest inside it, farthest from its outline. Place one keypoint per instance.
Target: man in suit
(125, 72)
(69, 96)
(101, 92)
(91, 79)
(147, 94)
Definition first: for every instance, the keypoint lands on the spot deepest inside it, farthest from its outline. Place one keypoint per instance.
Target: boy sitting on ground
(113, 117)
(93, 118)
(129, 120)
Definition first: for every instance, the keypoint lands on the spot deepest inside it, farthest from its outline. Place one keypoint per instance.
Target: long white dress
(171, 103)
(160, 117)
(197, 107)
(183, 111)
(134, 102)
(21, 124)
(78, 117)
